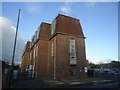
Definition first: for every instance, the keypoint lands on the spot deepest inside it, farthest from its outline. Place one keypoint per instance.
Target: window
(38, 32)
(72, 51)
(53, 26)
(36, 35)
(52, 48)
(34, 53)
(32, 39)
(36, 50)
(85, 69)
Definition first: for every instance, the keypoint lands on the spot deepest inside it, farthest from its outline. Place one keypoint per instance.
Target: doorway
(73, 71)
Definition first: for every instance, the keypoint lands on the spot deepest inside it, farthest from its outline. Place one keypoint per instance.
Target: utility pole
(15, 38)
(12, 67)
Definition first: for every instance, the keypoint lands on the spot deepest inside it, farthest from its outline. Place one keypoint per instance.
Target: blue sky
(99, 23)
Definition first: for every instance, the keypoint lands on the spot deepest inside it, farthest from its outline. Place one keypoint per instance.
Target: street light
(15, 38)
(11, 70)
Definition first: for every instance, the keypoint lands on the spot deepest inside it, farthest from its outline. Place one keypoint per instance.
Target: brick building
(25, 56)
(57, 50)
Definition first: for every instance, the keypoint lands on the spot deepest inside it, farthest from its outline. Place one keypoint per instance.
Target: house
(57, 50)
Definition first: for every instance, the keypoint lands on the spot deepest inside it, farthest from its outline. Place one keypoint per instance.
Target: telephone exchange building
(56, 50)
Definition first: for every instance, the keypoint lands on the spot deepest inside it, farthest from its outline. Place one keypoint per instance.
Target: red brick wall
(58, 65)
(51, 62)
(26, 56)
(42, 58)
(63, 60)
(45, 31)
(68, 25)
(25, 60)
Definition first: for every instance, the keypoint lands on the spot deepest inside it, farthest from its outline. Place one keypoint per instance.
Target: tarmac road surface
(22, 82)
(106, 85)
(39, 84)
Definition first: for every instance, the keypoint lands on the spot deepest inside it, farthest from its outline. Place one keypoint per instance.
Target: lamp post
(11, 70)
(15, 38)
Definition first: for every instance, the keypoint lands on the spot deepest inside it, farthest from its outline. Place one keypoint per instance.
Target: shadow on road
(23, 81)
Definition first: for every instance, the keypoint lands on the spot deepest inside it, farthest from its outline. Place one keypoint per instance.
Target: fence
(104, 75)
(5, 78)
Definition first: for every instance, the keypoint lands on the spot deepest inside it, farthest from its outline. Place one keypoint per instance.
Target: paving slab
(76, 82)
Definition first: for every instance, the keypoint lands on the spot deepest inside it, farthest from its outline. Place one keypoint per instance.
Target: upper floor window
(52, 48)
(37, 34)
(53, 26)
(34, 53)
(36, 50)
(38, 30)
(72, 51)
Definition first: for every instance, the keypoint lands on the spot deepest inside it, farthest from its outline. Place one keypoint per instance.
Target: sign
(86, 69)
(72, 62)
(30, 67)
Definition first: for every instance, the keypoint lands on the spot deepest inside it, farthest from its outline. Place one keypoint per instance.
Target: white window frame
(36, 50)
(34, 53)
(52, 49)
(34, 38)
(37, 34)
(53, 26)
(72, 51)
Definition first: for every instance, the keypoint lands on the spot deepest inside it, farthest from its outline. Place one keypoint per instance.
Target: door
(73, 71)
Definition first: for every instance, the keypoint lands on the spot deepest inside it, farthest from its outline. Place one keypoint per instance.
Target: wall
(58, 66)
(42, 61)
(25, 60)
(63, 66)
(69, 25)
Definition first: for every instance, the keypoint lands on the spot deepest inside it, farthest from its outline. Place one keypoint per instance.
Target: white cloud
(66, 8)
(33, 8)
(8, 35)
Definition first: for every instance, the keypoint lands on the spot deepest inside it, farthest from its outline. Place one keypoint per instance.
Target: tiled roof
(66, 24)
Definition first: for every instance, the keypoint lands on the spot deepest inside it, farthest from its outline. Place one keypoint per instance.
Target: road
(39, 84)
(22, 82)
(107, 85)
(29, 84)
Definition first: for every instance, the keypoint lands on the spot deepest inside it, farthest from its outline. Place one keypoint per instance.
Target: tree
(93, 66)
(114, 64)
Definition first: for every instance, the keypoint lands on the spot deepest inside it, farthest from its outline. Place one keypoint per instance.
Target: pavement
(76, 82)
(29, 83)
(25, 82)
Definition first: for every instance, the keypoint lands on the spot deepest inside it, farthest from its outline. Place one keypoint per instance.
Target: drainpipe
(54, 69)
(54, 58)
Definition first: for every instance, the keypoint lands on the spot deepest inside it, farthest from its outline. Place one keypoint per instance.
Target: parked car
(99, 70)
(112, 71)
(117, 73)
